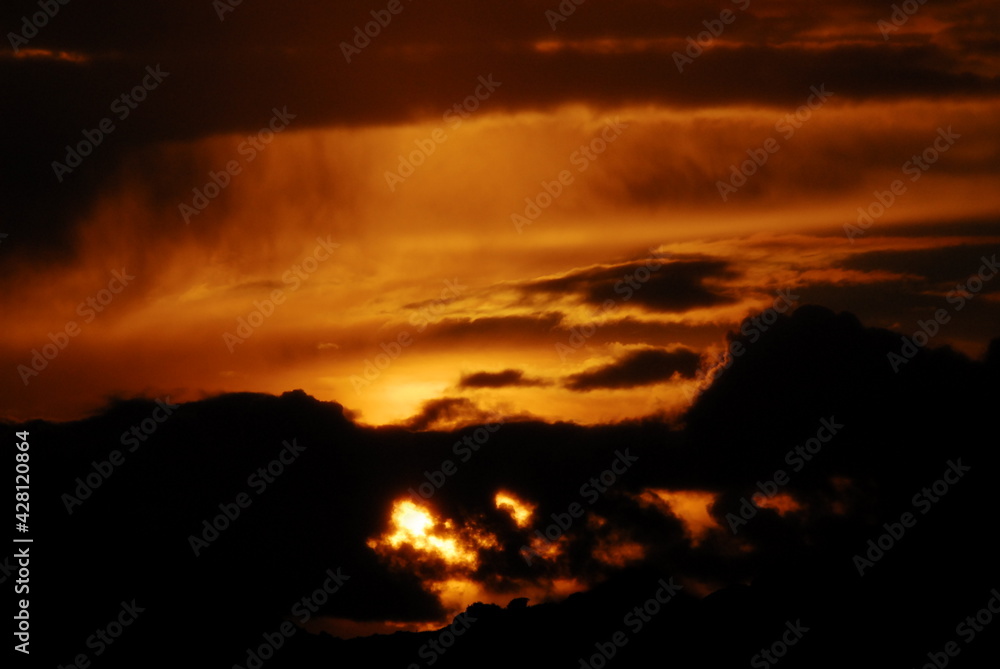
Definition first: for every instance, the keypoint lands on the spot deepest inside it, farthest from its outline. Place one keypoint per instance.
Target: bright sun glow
(411, 519)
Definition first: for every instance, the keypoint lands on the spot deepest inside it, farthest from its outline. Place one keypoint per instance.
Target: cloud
(494, 328)
(675, 286)
(448, 413)
(940, 266)
(508, 377)
(638, 368)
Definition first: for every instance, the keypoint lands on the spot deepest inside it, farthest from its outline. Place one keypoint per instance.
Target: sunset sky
(484, 211)
(438, 256)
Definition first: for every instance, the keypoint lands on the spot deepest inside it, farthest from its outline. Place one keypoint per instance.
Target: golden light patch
(519, 510)
(689, 506)
(783, 503)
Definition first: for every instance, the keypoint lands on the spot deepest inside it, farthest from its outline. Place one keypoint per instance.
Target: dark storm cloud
(638, 368)
(508, 377)
(674, 286)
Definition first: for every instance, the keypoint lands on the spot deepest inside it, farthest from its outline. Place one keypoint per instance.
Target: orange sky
(440, 263)
(483, 214)
(427, 160)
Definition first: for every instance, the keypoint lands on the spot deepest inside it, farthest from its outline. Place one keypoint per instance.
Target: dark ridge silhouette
(129, 538)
